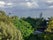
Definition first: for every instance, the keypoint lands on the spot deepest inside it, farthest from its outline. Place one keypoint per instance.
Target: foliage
(49, 30)
(11, 28)
(36, 37)
(50, 25)
(37, 23)
(23, 26)
(7, 30)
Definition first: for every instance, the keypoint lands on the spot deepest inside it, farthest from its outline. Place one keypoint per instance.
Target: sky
(28, 7)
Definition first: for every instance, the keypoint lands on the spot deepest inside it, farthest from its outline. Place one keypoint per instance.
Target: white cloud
(49, 3)
(50, 0)
(9, 4)
(30, 4)
(26, 0)
(50, 6)
(4, 4)
(27, 3)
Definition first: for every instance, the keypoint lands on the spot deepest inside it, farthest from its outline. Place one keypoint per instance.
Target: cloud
(2, 3)
(21, 3)
(42, 4)
(50, 6)
(30, 4)
(9, 4)
(49, 1)
(5, 4)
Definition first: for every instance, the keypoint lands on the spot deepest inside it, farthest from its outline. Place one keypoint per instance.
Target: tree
(50, 25)
(37, 23)
(23, 26)
(49, 30)
(7, 30)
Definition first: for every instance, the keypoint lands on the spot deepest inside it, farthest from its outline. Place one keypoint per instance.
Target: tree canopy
(7, 30)
(25, 28)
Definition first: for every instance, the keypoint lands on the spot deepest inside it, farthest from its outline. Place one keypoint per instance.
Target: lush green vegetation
(15, 28)
(25, 27)
(7, 30)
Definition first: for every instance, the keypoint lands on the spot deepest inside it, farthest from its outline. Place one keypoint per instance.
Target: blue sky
(28, 7)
